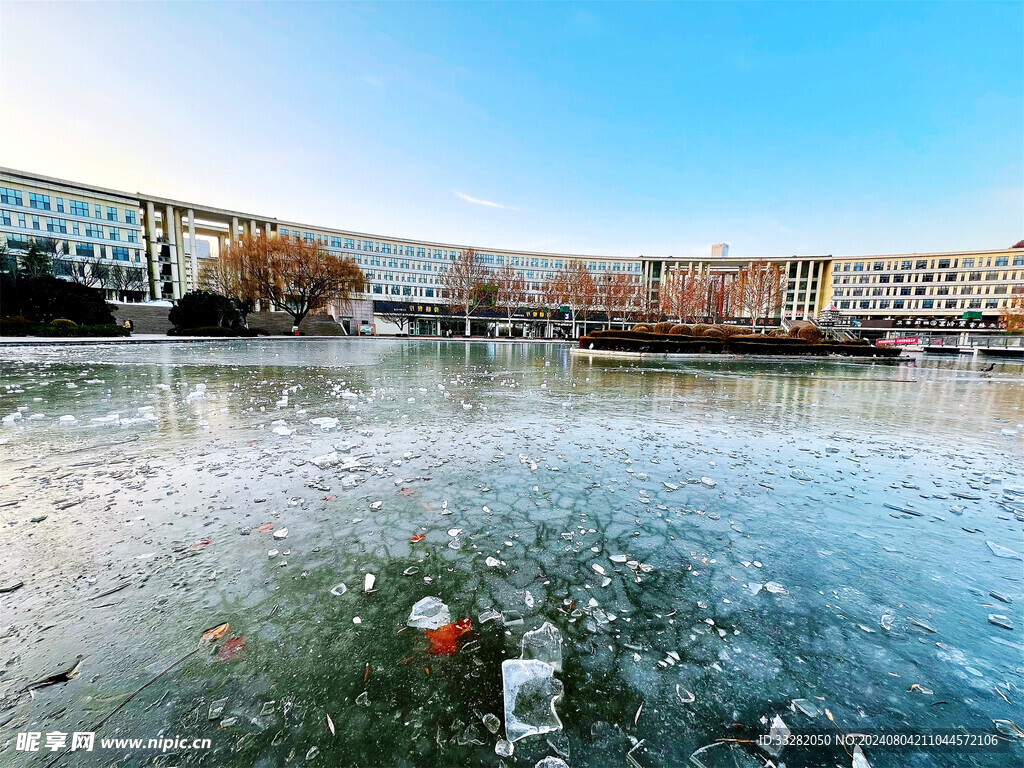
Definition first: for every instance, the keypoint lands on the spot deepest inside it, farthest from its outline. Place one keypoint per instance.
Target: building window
(335, 242)
(133, 236)
(844, 305)
(60, 205)
(5, 218)
(968, 263)
(883, 278)
(35, 222)
(92, 230)
(79, 208)
(950, 303)
(308, 237)
(858, 266)
(974, 276)
(878, 266)
(897, 304)
(883, 305)
(115, 233)
(928, 278)
(56, 225)
(906, 264)
(119, 253)
(84, 249)
(943, 263)
(1018, 261)
(111, 213)
(129, 216)
(927, 303)
(974, 304)
(39, 201)
(10, 196)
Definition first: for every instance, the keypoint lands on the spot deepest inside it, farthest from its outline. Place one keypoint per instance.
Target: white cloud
(477, 201)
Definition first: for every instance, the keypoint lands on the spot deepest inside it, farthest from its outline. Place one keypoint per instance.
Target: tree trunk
(467, 324)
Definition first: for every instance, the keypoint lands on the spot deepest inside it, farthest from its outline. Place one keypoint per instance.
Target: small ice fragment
(1000, 620)
(551, 762)
(598, 568)
(69, 419)
(217, 708)
(376, 505)
(489, 616)
(778, 734)
(618, 558)
(327, 460)
(493, 562)
(272, 553)
(504, 748)
(368, 582)
(363, 699)
(997, 549)
(707, 482)
(356, 620)
(1009, 728)
(281, 533)
(804, 706)
(429, 613)
(859, 761)
(511, 618)
(531, 690)
(339, 589)
(544, 644)
(774, 587)
(492, 722)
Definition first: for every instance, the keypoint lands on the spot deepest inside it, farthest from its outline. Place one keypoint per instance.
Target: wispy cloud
(478, 201)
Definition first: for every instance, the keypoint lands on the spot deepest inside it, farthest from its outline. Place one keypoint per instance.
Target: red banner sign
(903, 340)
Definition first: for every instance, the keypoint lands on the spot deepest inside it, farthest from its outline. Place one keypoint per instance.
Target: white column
(169, 235)
(234, 231)
(155, 286)
(807, 292)
(180, 240)
(192, 247)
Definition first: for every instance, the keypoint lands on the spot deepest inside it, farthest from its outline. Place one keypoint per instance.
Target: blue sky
(615, 129)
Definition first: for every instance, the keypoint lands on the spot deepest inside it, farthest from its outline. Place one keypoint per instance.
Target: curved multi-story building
(158, 245)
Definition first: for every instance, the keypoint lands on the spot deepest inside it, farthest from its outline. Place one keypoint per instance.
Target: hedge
(19, 326)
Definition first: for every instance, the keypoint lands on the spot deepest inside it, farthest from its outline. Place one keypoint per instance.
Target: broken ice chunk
(724, 755)
(859, 761)
(531, 690)
(327, 460)
(1000, 551)
(774, 587)
(368, 582)
(1000, 620)
(429, 613)
(544, 644)
(805, 706)
(707, 482)
(778, 734)
(551, 762)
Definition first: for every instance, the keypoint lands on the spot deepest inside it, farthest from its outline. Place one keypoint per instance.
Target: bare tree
(758, 289)
(464, 283)
(576, 290)
(299, 277)
(511, 294)
(400, 319)
(235, 272)
(90, 271)
(127, 281)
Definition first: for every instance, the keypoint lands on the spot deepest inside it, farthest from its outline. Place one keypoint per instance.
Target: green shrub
(680, 330)
(14, 326)
(41, 299)
(204, 309)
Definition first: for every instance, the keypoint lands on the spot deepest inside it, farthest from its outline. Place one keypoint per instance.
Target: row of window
(39, 201)
(81, 250)
(60, 226)
(951, 263)
(422, 252)
(920, 290)
(921, 304)
(929, 277)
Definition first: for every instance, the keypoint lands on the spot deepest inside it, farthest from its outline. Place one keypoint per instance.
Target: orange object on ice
(418, 537)
(444, 640)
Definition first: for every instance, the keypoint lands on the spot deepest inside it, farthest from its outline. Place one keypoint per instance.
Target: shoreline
(36, 341)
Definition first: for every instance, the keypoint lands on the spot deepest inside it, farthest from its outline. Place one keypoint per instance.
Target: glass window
(79, 208)
(39, 201)
(56, 225)
(129, 216)
(119, 253)
(96, 210)
(878, 266)
(927, 303)
(928, 278)
(858, 266)
(10, 196)
(883, 278)
(35, 222)
(921, 264)
(133, 236)
(883, 305)
(906, 264)
(1018, 261)
(92, 230)
(84, 249)
(920, 290)
(307, 236)
(111, 213)
(5, 218)
(897, 304)
(905, 291)
(943, 263)
(968, 263)
(974, 276)
(335, 242)
(60, 205)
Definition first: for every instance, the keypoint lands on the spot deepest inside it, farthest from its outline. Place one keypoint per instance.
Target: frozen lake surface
(710, 540)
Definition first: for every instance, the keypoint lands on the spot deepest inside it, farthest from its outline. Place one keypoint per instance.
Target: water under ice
(561, 464)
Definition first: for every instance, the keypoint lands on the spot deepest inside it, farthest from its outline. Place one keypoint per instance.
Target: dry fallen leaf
(216, 633)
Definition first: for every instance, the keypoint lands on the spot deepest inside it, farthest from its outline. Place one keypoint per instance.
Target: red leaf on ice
(418, 537)
(265, 528)
(231, 648)
(444, 640)
(202, 543)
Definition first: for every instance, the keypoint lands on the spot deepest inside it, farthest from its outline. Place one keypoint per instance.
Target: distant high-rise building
(720, 251)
